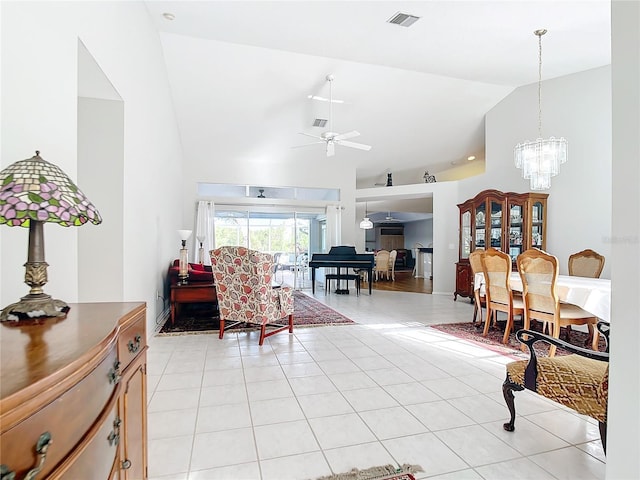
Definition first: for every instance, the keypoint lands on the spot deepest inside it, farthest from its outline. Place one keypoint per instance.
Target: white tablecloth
(590, 294)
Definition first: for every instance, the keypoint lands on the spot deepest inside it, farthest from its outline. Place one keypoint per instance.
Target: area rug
(203, 318)
(493, 341)
(384, 472)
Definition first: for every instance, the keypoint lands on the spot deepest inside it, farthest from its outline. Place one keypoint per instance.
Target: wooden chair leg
(593, 336)
(507, 392)
(508, 328)
(603, 435)
(489, 313)
(263, 331)
(555, 333)
(291, 323)
(477, 307)
(221, 334)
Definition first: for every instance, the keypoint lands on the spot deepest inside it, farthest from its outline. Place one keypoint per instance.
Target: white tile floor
(327, 399)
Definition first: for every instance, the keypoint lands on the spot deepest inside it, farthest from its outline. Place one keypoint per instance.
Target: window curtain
(334, 226)
(205, 230)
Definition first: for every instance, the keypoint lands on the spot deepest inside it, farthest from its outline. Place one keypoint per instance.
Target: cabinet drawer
(96, 457)
(132, 341)
(67, 419)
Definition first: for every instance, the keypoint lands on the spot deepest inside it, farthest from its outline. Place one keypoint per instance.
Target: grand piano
(341, 257)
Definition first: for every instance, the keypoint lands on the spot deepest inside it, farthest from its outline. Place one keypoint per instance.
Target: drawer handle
(41, 449)
(114, 438)
(134, 345)
(114, 373)
(6, 474)
(126, 465)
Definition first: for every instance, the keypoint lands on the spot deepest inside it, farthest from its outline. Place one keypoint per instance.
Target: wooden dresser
(73, 395)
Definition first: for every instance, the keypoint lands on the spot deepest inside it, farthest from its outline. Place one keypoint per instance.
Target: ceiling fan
(389, 218)
(331, 139)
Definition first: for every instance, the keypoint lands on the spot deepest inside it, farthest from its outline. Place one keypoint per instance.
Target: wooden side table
(191, 293)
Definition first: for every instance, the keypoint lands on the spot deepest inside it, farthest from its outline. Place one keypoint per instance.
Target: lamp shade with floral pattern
(34, 192)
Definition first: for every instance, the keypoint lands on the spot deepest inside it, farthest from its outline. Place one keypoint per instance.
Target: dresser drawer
(97, 455)
(67, 419)
(132, 340)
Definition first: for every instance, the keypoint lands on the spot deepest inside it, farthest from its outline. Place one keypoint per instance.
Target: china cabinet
(511, 222)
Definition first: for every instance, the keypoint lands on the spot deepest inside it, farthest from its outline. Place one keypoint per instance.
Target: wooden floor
(404, 283)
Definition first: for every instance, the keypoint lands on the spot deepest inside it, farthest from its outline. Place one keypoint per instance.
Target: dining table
(591, 294)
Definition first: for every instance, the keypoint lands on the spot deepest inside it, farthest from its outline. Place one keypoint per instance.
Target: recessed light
(471, 157)
(169, 16)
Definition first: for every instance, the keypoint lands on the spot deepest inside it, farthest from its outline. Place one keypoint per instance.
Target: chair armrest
(540, 337)
(529, 337)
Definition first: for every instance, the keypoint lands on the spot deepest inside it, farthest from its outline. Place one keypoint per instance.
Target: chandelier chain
(539, 33)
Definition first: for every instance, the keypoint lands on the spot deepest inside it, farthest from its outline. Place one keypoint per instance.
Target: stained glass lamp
(32, 192)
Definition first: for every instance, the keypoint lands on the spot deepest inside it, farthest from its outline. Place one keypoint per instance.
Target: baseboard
(161, 320)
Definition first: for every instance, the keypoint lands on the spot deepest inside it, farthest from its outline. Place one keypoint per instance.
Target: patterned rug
(493, 340)
(384, 472)
(203, 317)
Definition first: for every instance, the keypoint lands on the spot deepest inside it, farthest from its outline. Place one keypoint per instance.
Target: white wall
(577, 107)
(623, 461)
(101, 162)
(39, 111)
(418, 232)
(242, 147)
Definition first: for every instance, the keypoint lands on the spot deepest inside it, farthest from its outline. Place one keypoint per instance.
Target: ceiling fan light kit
(331, 139)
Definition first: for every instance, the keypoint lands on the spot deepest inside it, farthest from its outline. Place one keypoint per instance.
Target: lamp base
(34, 306)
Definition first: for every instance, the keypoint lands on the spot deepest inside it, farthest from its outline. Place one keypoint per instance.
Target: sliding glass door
(291, 237)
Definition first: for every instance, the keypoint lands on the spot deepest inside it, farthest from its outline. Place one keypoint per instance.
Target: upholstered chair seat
(579, 381)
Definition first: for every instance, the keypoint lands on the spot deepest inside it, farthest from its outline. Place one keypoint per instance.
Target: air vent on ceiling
(319, 122)
(403, 19)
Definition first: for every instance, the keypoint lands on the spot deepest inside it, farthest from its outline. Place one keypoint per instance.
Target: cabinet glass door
(480, 232)
(496, 224)
(516, 229)
(537, 224)
(465, 234)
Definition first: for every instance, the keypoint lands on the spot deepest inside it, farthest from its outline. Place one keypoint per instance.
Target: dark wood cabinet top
(45, 352)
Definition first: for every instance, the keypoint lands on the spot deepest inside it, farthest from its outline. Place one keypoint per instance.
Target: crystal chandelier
(540, 159)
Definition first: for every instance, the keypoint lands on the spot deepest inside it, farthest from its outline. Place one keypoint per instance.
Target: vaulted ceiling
(241, 72)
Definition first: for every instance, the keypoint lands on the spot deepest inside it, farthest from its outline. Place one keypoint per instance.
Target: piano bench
(334, 276)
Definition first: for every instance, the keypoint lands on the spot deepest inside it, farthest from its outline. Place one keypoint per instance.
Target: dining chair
(246, 294)
(496, 266)
(393, 254)
(586, 263)
(475, 259)
(382, 264)
(539, 273)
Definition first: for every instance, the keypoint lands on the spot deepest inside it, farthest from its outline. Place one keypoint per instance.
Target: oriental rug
(493, 341)
(384, 472)
(203, 318)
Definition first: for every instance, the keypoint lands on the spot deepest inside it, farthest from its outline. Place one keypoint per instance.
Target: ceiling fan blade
(331, 149)
(360, 146)
(311, 135)
(344, 136)
(323, 99)
(307, 145)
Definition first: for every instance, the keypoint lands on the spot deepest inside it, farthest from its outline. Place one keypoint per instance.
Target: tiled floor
(327, 399)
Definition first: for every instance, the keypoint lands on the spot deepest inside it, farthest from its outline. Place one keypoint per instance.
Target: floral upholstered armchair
(245, 293)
